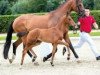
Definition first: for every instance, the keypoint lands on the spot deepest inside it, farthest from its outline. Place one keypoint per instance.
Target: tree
(4, 7)
(97, 4)
(29, 6)
(88, 4)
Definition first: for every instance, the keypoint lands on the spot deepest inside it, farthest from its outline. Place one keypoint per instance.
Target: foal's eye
(80, 5)
(69, 19)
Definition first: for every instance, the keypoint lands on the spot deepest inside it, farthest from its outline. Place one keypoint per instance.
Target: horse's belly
(37, 23)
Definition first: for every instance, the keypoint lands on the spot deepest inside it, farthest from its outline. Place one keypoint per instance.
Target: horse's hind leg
(15, 45)
(34, 55)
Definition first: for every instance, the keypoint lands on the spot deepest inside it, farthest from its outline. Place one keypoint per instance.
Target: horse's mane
(59, 7)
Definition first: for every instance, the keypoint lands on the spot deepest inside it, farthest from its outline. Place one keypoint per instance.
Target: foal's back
(50, 35)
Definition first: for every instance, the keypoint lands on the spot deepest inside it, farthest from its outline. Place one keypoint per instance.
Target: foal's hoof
(64, 50)
(78, 61)
(21, 64)
(10, 61)
(44, 59)
(52, 64)
(36, 63)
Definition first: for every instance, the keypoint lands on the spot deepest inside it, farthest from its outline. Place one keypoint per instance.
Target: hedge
(5, 20)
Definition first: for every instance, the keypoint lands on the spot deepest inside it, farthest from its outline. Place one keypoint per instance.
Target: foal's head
(69, 21)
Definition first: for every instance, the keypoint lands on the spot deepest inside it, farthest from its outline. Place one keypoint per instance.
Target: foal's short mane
(62, 20)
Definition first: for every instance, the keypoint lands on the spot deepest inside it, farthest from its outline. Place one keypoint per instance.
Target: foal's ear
(68, 13)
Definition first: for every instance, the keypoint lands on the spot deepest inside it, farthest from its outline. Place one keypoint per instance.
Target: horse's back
(30, 21)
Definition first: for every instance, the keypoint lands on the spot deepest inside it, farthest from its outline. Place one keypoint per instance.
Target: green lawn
(71, 35)
(4, 37)
(92, 34)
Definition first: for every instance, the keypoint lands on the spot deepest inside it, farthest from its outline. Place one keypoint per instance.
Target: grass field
(70, 34)
(92, 34)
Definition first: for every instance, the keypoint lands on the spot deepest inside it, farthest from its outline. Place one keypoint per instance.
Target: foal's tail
(8, 41)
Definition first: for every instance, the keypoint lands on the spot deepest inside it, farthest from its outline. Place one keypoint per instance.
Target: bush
(22, 6)
(6, 20)
(29, 6)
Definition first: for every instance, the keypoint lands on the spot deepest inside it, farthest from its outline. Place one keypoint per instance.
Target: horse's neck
(62, 10)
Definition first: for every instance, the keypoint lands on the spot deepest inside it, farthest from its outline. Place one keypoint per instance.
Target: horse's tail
(8, 41)
(21, 34)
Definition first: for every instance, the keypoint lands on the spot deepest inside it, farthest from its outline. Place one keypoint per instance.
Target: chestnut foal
(52, 35)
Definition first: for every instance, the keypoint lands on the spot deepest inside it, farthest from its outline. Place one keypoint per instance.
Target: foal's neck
(61, 25)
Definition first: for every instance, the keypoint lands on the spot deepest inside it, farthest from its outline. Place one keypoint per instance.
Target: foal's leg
(53, 54)
(15, 45)
(48, 56)
(23, 54)
(67, 45)
(68, 58)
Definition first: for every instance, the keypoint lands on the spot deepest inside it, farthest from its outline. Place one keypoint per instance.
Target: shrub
(5, 20)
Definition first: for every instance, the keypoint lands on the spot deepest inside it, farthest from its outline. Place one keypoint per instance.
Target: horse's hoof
(78, 61)
(68, 58)
(34, 58)
(10, 61)
(44, 59)
(52, 64)
(36, 63)
(64, 50)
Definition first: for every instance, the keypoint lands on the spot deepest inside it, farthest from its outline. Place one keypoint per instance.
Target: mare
(55, 36)
(28, 22)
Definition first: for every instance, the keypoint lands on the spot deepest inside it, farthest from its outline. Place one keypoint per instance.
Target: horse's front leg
(66, 38)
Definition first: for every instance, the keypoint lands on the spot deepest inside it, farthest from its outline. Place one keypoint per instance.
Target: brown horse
(55, 36)
(29, 22)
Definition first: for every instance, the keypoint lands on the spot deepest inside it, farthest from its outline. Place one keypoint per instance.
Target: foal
(52, 35)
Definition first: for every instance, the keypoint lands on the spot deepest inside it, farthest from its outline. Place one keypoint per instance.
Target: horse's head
(77, 6)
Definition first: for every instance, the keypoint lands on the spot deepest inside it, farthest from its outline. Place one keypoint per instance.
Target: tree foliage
(4, 7)
(31, 6)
